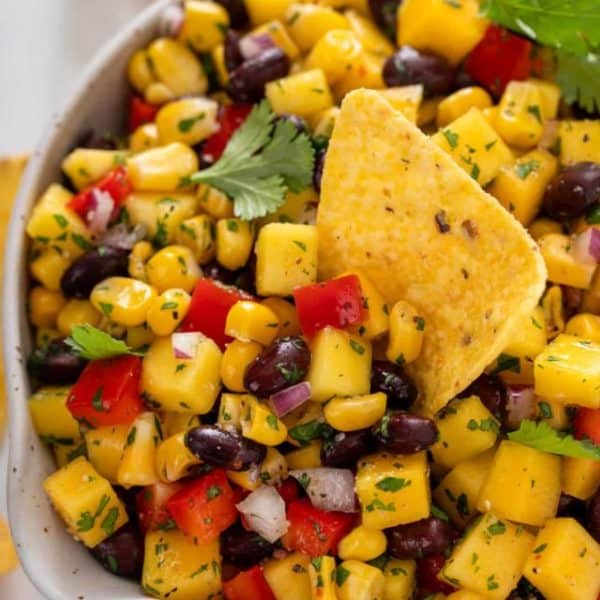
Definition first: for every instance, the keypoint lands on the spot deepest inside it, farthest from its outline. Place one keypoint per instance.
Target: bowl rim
(14, 328)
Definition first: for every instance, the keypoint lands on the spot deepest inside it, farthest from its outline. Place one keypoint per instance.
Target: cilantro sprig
(542, 437)
(92, 343)
(263, 159)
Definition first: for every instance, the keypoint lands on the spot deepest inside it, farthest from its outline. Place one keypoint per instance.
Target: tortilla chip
(397, 206)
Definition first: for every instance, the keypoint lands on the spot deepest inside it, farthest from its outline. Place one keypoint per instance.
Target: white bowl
(58, 566)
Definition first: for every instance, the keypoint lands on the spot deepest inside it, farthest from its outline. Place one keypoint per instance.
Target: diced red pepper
(116, 184)
(313, 531)
(151, 505)
(248, 585)
(208, 310)
(204, 508)
(336, 303)
(428, 569)
(500, 57)
(140, 113)
(230, 119)
(107, 392)
(587, 424)
(289, 490)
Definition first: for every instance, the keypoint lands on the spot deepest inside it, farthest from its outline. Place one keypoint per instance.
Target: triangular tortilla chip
(388, 196)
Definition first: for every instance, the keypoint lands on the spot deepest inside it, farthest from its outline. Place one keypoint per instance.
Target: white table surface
(44, 44)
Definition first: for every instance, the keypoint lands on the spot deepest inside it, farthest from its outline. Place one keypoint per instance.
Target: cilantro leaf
(93, 344)
(542, 437)
(262, 160)
(579, 79)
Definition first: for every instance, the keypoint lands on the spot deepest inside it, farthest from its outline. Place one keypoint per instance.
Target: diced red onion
(253, 44)
(171, 21)
(586, 246)
(287, 400)
(264, 511)
(520, 404)
(328, 489)
(120, 236)
(98, 214)
(185, 344)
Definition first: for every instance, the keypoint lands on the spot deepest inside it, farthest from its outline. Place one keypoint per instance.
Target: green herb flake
(545, 410)
(186, 125)
(392, 484)
(540, 549)
(61, 220)
(524, 169)
(109, 522)
(341, 575)
(358, 348)
(92, 343)
(272, 422)
(451, 137)
(169, 306)
(300, 245)
(497, 528)
(506, 362)
(131, 437)
(378, 504)
(97, 403)
(213, 492)
(534, 109)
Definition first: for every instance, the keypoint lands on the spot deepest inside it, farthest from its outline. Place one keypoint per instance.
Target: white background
(44, 44)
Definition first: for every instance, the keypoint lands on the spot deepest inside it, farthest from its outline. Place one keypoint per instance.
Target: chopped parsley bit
(534, 109)
(187, 230)
(86, 522)
(107, 308)
(545, 410)
(438, 513)
(201, 569)
(489, 424)
(540, 549)
(497, 528)
(265, 476)
(304, 480)
(451, 137)
(169, 306)
(131, 437)
(462, 505)
(160, 548)
(341, 574)
(112, 563)
(553, 359)
(400, 360)
(300, 245)
(110, 521)
(475, 171)
(81, 241)
(377, 504)
(222, 27)
(272, 422)
(62, 221)
(506, 362)
(97, 403)
(474, 558)
(490, 145)
(535, 323)
(420, 321)
(232, 225)
(312, 430)
(392, 484)
(524, 169)
(291, 375)
(213, 491)
(185, 125)
(358, 348)
(180, 367)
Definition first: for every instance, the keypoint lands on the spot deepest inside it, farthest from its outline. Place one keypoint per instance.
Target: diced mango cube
(368, 34)
(458, 103)
(335, 53)
(308, 23)
(549, 95)
(138, 462)
(308, 457)
(400, 579)
(407, 330)
(393, 489)
(288, 577)
(322, 573)
(405, 99)
(580, 477)
(86, 501)
(579, 141)
(585, 326)
(204, 25)
(360, 582)
(365, 72)
(51, 418)
(105, 447)
(568, 370)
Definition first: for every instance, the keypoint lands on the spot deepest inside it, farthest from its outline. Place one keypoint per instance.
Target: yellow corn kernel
(235, 239)
(591, 297)
(143, 138)
(260, 424)
(580, 477)
(48, 268)
(490, 114)
(322, 574)
(323, 122)
(579, 141)
(218, 57)
(368, 34)
(366, 72)
(138, 258)
(252, 322)
(457, 104)
(334, 54)
(280, 37)
(247, 480)
(308, 23)
(204, 25)
(105, 447)
(44, 335)
(162, 169)
(307, 457)
(173, 267)
(428, 111)
(177, 67)
(86, 501)
(449, 30)
(585, 326)
(520, 121)
(542, 226)
(400, 579)
(288, 576)
(362, 582)
(189, 121)
(45, 306)
(174, 423)
(359, 412)
(173, 459)
(407, 329)
(168, 310)
(50, 416)
(199, 235)
(158, 93)
(261, 12)
(274, 468)
(230, 408)
(138, 463)
(561, 264)
(139, 71)
(124, 300)
(214, 202)
(286, 315)
(237, 357)
(405, 99)
(77, 312)
(362, 544)
(84, 166)
(549, 95)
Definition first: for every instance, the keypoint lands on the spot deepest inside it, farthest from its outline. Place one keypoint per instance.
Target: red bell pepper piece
(151, 505)
(210, 304)
(428, 569)
(107, 392)
(230, 119)
(587, 424)
(116, 184)
(313, 531)
(289, 490)
(336, 303)
(140, 113)
(205, 507)
(500, 57)
(248, 585)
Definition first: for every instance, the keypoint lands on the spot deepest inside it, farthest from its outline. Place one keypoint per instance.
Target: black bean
(344, 450)
(244, 549)
(395, 383)
(237, 12)
(93, 140)
(525, 591)
(405, 433)
(385, 15)
(247, 82)
(91, 268)
(318, 170)
(569, 506)
(422, 538)
(55, 364)
(128, 497)
(492, 393)
(219, 273)
(593, 516)
(225, 449)
(233, 54)
(573, 190)
(122, 553)
(409, 66)
(282, 364)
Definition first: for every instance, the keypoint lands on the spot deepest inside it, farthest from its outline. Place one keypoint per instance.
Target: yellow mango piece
(400, 579)
(368, 34)
(308, 23)
(322, 573)
(407, 330)
(360, 581)
(549, 95)
(288, 577)
(585, 326)
(261, 12)
(204, 25)
(554, 311)
(365, 72)
(173, 459)
(580, 477)
(8, 554)
(561, 264)
(406, 99)
(64, 454)
(51, 418)
(48, 268)
(335, 53)
(105, 447)
(85, 166)
(458, 103)
(308, 457)
(579, 141)
(362, 544)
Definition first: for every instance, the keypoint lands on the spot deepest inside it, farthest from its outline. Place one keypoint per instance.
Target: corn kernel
(260, 424)
(139, 71)
(85, 166)
(274, 468)
(235, 239)
(457, 104)
(308, 23)
(307, 457)
(168, 310)
(407, 329)
(214, 202)
(252, 322)
(124, 300)
(173, 459)
(369, 35)
(542, 226)
(237, 357)
(204, 25)
(261, 12)
(105, 447)
(400, 579)
(362, 544)
(174, 423)
(363, 581)
(189, 121)
(138, 257)
(199, 235)
(48, 268)
(230, 409)
(45, 306)
(561, 264)
(218, 57)
(143, 138)
(585, 326)
(286, 315)
(158, 93)
(77, 312)
(359, 412)
(173, 267)
(334, 53)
